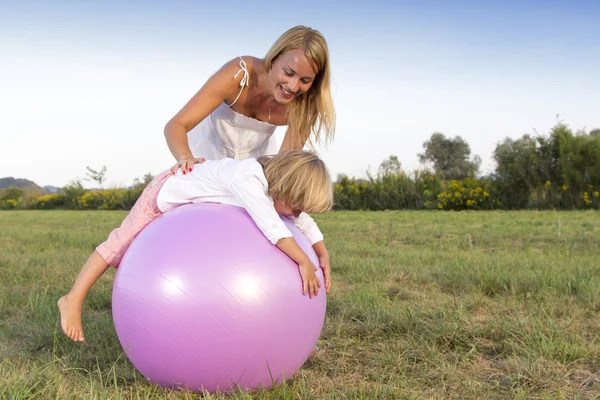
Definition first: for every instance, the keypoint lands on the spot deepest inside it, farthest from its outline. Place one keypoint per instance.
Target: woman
(237, 110)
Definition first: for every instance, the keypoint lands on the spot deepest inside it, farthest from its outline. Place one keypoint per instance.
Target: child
(289, 184)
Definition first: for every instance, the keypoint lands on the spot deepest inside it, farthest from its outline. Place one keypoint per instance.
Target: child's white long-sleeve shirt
(237, 183)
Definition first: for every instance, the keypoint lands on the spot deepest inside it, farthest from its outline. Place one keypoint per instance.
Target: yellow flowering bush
(109, 199)
(591, 198)
(48, 202)
(469, 194)
(8, 204)
(390, 191)
(91, 200)
(586, 199)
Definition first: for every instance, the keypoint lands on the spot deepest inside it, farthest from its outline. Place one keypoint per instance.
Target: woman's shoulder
(240, 71)
(239, 63)
(253, 65)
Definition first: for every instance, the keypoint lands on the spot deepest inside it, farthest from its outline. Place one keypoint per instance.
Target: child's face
(283, 209)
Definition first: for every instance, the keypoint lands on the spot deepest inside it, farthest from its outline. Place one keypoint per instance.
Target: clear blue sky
(87, 83)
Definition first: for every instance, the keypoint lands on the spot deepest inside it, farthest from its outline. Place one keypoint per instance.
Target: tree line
(558, 170)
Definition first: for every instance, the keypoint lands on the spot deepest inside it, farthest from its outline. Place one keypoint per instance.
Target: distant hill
(51, 189)
(20, 183)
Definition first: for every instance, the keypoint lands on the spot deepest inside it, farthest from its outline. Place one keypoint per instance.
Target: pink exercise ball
(203, 301)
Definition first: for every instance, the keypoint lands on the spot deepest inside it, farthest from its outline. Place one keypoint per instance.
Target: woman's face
(292, 74)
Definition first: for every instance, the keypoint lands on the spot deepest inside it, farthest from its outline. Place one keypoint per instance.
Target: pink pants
(144, 211)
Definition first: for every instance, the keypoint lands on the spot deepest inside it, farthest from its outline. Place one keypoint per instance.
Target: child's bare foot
(70, 318)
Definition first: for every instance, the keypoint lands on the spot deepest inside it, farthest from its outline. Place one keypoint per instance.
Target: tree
(12, 193)
(450, 156)
(73, 192)
(553, 170)
(98, 176)
(137, 182)
(518, 171)
(391, 166)
(518, 163)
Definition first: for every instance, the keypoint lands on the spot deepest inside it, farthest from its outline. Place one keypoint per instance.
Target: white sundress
(226, 133)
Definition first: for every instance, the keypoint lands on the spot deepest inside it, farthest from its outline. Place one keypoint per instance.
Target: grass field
(425, 305)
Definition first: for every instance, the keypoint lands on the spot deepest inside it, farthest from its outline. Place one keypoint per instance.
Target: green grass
(425, 305)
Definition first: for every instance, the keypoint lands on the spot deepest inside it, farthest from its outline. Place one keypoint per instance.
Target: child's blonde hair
(300, 180)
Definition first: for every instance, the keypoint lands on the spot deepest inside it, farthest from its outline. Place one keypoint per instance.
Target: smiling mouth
(286, 93)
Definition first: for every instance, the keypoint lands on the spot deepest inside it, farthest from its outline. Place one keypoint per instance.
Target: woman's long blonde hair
(300, 180)
(311, 116)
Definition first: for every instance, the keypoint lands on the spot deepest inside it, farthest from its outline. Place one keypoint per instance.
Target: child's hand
(310, 282)
(323, 255)
(324, 263)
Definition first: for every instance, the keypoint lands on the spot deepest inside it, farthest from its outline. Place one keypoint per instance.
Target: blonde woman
(287, 184)
(236, 112)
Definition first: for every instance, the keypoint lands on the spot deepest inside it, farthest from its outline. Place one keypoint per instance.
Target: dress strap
(245, 78)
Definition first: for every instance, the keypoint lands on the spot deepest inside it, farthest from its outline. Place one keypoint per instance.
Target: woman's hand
(186, 165)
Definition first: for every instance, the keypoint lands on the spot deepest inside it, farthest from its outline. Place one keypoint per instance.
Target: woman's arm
(220, 87)
(288, 142)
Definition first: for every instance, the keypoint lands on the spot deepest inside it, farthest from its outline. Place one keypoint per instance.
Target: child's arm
(309, 228)
(323, 255)
(310, 281)
(252, 194)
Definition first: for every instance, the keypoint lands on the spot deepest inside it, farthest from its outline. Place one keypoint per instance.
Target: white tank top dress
(228, 134)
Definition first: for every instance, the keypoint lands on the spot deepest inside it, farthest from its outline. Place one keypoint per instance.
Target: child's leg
(108, 253)
(70, 305)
